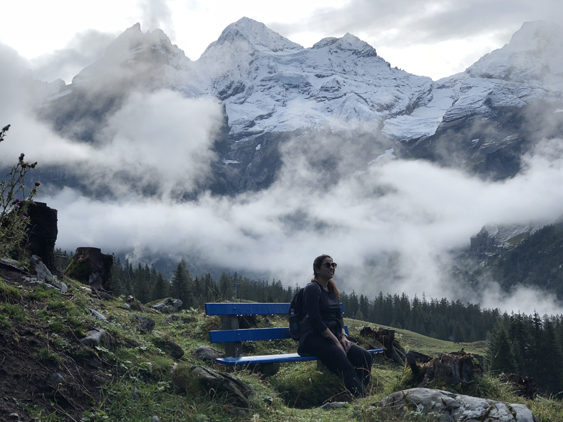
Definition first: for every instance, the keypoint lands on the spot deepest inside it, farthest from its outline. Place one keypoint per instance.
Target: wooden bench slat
(249, 308)
(246, 308)
(251, 334)
(289, 357)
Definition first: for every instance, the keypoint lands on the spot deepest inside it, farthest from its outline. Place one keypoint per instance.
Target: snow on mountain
(271, 85)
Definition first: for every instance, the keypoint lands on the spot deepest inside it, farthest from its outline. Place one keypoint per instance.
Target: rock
(207, 354)
(54, 380)
(137, 305)
(166, 306)
(232, 389)
(170, 319)
(144, 324)
(334, 405)
(14, 416)
(456, 407)
(39, 269)
(97, 338)
(155, 419)
(171, 348)
(98, 315)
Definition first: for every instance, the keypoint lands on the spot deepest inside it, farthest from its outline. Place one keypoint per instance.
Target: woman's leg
(361, 360)
(335, 360)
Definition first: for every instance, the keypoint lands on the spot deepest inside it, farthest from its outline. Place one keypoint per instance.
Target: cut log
(385, 337)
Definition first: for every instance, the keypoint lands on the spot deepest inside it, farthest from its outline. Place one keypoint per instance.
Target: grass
(144, 384)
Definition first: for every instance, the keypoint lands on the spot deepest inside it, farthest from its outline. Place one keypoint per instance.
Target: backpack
(296, 314)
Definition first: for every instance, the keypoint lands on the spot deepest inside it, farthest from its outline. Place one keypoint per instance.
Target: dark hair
(317, 263)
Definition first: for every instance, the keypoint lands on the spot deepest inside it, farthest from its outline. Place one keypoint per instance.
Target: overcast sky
(433, 38)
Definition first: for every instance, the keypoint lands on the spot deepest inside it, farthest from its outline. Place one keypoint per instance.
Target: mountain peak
(535, 52)
(257, 35)
(350, 43)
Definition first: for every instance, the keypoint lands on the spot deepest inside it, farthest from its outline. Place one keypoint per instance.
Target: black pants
(354, 367)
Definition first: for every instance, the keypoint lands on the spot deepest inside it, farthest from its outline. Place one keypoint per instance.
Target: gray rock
(207, 354)
(456, 407)
(155, 419)
(55, 379)
(98, 315)
(144, 324)
(39, 269)
(97, 338)
(334, 405)
(168, 305)
(14, 416)
(171, 319)
(171, 348)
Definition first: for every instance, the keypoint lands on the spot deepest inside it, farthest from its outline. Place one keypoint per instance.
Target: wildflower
(37, 183)
(25, 217)
(17, 200)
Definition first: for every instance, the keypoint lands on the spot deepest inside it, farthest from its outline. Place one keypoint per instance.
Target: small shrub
(15, 311)
(56, 326)
(62, 307)
(48, 356)
(5, 323)
(8, 293)
(42, 292)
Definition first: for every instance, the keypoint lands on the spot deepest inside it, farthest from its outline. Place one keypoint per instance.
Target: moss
(78, 270)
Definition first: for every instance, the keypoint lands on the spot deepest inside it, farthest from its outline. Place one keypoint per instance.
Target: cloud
(84, 49)
(157, 14)
(403, 23)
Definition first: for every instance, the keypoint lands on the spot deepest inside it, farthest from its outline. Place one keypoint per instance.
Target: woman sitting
(323, 332)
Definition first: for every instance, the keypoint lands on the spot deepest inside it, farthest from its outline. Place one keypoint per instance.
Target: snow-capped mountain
(271, 86)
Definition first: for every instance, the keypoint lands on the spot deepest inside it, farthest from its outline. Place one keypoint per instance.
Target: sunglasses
(330, 264)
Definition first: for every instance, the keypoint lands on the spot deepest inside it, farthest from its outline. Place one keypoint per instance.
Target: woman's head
(323, 268)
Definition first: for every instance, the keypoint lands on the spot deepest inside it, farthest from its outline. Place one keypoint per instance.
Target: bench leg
(230, 322)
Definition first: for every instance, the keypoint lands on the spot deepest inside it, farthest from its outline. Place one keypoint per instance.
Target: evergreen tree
(499, 353)
(181, 284)
(161, 287)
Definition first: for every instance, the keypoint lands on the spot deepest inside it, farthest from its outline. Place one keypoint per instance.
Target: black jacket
(323, 311)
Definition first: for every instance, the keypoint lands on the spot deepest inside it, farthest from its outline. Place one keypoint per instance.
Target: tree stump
(458, 369)
(42, 233)
(384, 338)
(91, 266)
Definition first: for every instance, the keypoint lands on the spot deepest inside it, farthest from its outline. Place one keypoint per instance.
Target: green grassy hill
(135, 379)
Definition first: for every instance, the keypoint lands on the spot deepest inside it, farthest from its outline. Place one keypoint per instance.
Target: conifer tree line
(529, 346)
(147, 284)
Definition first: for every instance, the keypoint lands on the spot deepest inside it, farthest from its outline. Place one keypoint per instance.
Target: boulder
(168, 305)
(39, 269)
(169, 347)
(456, 407)
(97, 338)
(145, 325)
(207, 354)
(233, 390)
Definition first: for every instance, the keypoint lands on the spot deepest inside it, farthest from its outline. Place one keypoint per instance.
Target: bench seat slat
(251, 334)
(289, 357)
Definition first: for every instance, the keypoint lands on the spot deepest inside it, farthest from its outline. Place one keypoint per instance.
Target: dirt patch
(39, 379)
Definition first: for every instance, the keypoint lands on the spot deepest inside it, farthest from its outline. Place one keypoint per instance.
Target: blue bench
(232, 337)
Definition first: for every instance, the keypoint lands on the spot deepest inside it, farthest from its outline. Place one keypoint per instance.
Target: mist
(390, 224)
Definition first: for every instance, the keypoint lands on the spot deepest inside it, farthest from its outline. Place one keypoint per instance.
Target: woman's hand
(346, 344)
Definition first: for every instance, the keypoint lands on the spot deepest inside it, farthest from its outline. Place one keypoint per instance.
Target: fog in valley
(390, 225)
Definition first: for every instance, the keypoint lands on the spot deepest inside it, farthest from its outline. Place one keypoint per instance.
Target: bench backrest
(249, 308)
(250, 334)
